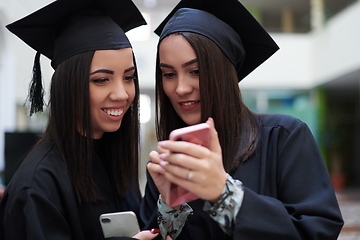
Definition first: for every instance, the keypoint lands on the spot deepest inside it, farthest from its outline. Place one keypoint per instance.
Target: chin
(112, 128)
(191, 121)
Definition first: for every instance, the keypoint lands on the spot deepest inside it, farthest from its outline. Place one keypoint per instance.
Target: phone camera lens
(105, 220)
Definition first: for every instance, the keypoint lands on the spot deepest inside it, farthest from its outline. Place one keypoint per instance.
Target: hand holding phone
(198, 134)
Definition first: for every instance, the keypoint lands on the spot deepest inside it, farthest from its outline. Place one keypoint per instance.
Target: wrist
(163, 198)
(220, 189)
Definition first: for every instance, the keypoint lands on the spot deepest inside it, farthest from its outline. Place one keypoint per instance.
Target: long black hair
(221, 99)
(70, 114)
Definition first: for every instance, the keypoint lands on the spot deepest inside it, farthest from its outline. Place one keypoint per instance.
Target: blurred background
(315, 77)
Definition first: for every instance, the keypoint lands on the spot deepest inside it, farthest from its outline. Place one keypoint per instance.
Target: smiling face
(112, 89)
(180, 77)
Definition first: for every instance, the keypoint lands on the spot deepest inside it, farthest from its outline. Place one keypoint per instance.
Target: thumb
(147, 234)
(214, 139)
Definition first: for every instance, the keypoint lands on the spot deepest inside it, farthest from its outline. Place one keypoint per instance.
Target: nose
(183, 86)
(118, 91)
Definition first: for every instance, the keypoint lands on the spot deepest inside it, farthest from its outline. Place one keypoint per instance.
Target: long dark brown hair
(70, 114)
(221, 99)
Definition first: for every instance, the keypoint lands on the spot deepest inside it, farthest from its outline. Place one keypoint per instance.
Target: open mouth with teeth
(188, 103)
(113, 112)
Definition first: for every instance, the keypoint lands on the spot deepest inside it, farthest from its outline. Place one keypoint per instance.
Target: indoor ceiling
(266, 5)
(272, 5)
(269, 11)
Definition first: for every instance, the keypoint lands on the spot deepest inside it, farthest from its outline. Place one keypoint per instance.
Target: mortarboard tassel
(36, 92)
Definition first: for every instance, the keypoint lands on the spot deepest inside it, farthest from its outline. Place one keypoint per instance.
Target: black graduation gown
(287, 191)
(39, 202)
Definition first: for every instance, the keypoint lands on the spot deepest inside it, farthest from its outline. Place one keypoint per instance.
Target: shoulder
(280, 121)
(42, 166)
(42, 178)
(277, 130)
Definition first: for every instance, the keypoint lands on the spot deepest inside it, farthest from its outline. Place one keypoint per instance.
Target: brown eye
(130, 78)
(168, 75)
(100, 80)
(195, 72)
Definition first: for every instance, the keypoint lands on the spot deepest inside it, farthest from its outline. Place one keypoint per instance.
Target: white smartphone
(119, 224)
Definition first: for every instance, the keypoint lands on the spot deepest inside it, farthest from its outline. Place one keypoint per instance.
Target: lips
(188, 105)
(113, 111)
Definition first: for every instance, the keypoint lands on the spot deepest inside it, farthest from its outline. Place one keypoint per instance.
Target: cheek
(168, 89)
(131, 93)
(92, 97)
(95, 97)
(197, 85)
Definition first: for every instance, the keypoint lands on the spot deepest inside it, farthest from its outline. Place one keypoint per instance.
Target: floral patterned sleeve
(225, 210)
(170, 220)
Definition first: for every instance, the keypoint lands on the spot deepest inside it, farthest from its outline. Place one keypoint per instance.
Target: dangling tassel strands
(36, 92)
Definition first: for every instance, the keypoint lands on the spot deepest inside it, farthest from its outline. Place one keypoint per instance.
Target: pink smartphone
(198, 134)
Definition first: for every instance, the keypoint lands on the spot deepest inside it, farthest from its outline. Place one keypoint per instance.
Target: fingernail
(161, 144)
(155, 231)
(162, 156)
(163, 163)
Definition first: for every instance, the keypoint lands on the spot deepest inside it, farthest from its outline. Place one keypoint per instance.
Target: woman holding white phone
(263, 176)
(86, 163)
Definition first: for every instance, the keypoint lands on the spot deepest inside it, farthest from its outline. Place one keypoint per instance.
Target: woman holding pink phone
(262, 176)
(86, 163)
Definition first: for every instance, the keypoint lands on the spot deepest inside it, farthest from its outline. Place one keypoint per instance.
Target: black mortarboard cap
(65, 28)
(227, 23)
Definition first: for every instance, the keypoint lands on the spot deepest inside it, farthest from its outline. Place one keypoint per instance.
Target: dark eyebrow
(129, 69)
(110, 71)
(165, 65)
(102, 71)
(183, 65)
(189, 63)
